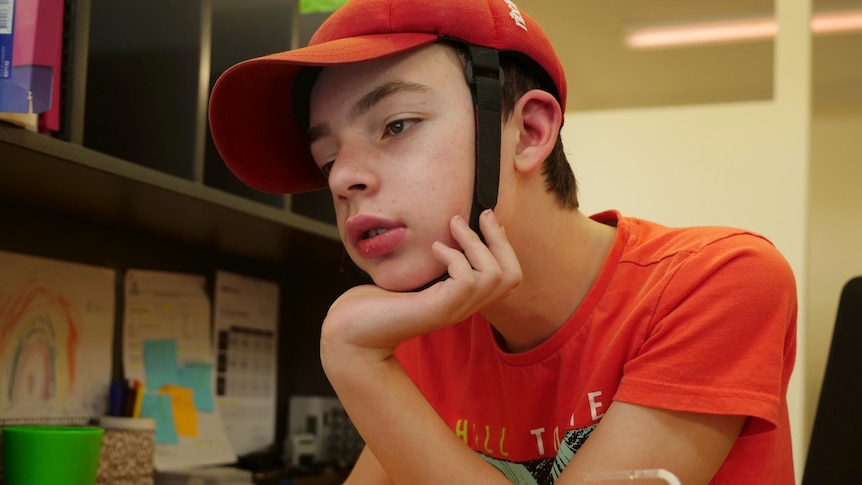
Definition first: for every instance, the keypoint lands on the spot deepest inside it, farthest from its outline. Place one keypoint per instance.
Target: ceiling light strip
(847, 21)
(736, 30)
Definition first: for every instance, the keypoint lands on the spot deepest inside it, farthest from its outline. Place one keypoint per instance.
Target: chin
(408, 280)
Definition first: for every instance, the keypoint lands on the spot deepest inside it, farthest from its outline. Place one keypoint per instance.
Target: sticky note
(319, 6)
(158, 407)
(198, 376)
(160, 363)
(183, 409)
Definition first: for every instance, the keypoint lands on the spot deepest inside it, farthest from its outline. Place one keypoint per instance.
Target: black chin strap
(485, 78)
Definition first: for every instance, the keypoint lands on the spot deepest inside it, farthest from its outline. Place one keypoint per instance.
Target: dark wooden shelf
(67, 178)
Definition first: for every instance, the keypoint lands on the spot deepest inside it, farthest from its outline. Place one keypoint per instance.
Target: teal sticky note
(158, 407)
(198, 376)
(160, 363)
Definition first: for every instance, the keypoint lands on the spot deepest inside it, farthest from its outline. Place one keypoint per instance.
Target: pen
(130, 397)
(139, 399)
(116, 396)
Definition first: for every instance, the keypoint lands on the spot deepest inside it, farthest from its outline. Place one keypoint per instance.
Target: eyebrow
(367, 102)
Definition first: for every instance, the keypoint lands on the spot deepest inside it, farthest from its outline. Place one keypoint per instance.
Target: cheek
(449, 157)
(446, 181)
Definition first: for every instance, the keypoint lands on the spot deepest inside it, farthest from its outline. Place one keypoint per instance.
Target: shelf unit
(134, 149)
(132, 179)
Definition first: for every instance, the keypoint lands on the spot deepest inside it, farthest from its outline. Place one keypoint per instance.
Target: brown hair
(520, 75)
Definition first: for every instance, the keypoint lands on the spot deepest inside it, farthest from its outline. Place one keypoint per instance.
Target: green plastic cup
(51, 455)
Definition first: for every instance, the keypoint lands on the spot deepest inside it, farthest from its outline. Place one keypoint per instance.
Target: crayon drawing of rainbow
(38, 343)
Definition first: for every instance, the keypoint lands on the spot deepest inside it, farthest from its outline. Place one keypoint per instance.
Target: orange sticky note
(183, 407)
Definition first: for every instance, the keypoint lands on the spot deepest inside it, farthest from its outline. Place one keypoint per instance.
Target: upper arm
(691, 445)
(367, 471)
(721, 337)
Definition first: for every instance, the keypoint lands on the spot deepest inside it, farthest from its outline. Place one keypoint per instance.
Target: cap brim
(251, 111)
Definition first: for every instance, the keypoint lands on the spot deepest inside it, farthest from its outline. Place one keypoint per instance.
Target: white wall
(742, 165)
(720, 164)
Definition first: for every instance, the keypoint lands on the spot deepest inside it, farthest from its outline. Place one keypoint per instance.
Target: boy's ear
(538, 117)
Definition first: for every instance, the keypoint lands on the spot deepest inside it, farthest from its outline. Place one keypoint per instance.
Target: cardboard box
(31, 43)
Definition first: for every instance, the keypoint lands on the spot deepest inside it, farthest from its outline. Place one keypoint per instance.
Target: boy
(560, 346)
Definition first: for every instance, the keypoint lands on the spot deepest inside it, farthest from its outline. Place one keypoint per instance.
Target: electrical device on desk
(320, 433)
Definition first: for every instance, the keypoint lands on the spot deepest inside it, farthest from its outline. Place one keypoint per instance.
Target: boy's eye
(395, 127)
(398, 126)
(326, 168)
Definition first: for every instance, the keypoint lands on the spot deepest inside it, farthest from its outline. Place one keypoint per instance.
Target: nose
(352, 174)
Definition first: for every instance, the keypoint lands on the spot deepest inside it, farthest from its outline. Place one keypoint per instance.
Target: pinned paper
(167, 316)
(183, 409)
(198, 376)
(158, 407)
(160, 363)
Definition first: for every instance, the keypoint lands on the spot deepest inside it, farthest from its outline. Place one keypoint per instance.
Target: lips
(374, 237)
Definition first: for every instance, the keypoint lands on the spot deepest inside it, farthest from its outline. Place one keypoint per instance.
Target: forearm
(408, 438)
(362, 328)
(367, 471)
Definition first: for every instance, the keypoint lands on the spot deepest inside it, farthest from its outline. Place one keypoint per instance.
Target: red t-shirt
(698, 319)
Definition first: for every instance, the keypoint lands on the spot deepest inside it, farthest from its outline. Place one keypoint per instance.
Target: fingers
(370, 317)
(499, 245)
(486, 272)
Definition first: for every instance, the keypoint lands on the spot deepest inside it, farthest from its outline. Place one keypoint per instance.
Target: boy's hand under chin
(366, 323)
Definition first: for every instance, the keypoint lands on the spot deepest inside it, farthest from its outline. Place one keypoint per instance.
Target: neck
(559, 267)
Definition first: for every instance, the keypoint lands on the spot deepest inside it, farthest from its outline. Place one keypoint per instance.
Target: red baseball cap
(251, 110)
